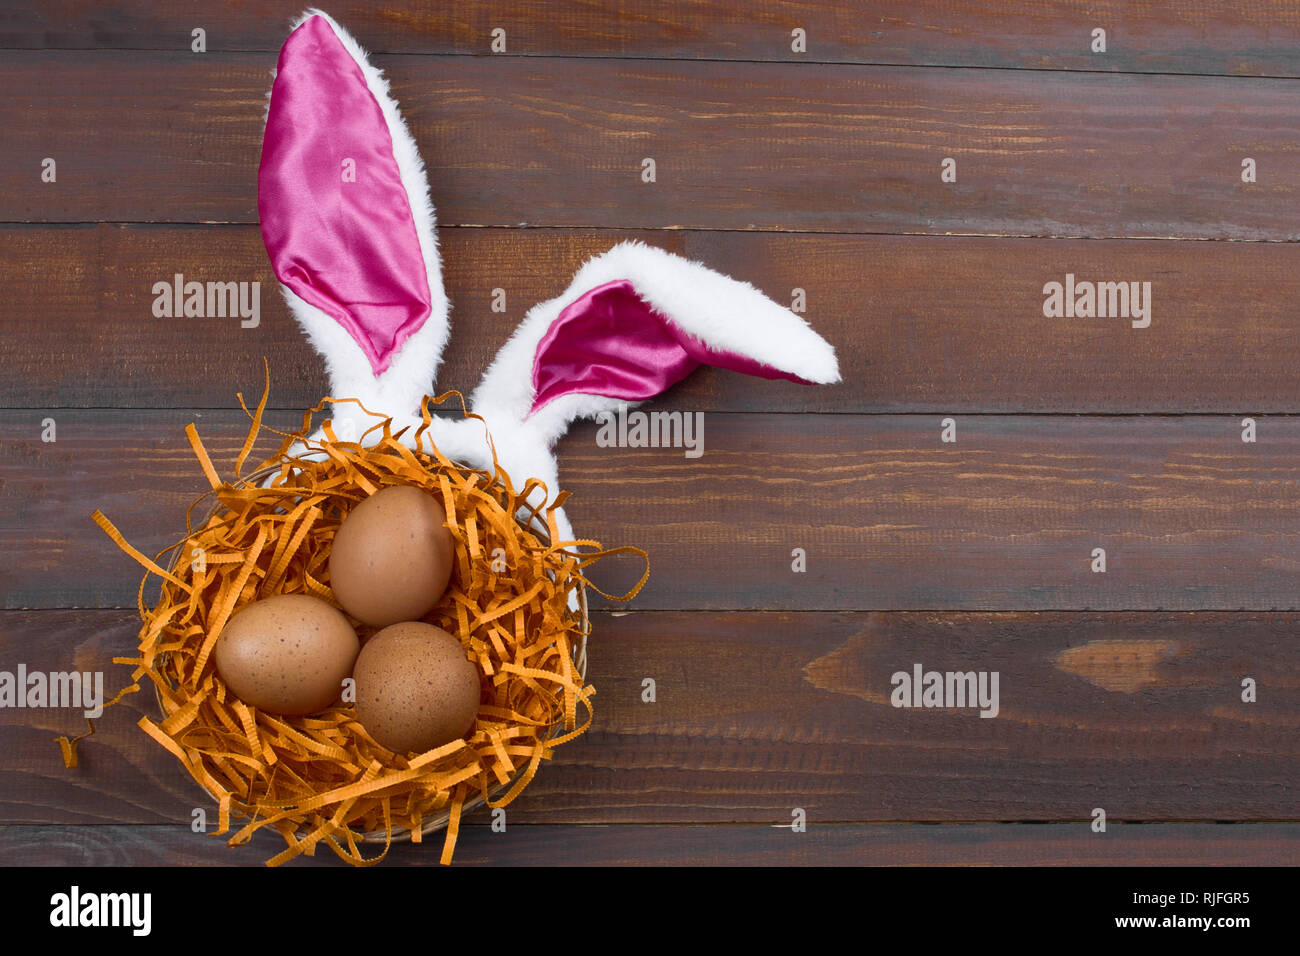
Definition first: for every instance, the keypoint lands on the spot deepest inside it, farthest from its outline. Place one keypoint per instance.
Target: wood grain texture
(795, 147)
(890, 517)
(1239, 37)
(716, 845)
(920, 324)
(758, 713)
(817, 171)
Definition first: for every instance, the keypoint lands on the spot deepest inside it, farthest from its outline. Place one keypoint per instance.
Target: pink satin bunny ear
(612, 341)
(635, 321)
(347, 220)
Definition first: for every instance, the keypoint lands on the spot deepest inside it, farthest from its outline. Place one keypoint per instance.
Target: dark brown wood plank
(890, 517)
(1235, 37)
(921, 324)
(86, 335)
(759, 713)
(805, 147)
(715, 845)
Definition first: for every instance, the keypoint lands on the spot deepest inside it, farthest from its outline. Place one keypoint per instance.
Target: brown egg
(416, 688)
(392, 556)
(287, 654)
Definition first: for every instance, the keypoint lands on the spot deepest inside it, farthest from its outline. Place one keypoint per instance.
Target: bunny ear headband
(349, 227)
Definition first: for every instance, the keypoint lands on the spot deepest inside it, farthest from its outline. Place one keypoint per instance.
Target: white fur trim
(414, 367)
(720, 311)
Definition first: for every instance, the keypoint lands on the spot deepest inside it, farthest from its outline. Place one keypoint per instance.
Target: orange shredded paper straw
(322, 779)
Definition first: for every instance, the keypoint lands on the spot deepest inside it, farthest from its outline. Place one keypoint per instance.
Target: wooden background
(819, 171)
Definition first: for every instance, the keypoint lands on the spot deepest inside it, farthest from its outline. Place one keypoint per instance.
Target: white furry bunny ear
(633, 322)
(348, 223)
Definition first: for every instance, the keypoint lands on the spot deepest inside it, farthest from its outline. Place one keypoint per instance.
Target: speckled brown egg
(392, 556)
(288, 654)
(416, 688)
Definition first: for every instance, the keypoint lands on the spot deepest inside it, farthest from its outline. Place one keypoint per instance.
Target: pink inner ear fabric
(335, 217)
(610, 342)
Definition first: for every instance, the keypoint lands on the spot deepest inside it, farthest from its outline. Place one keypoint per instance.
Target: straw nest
(322, 778)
